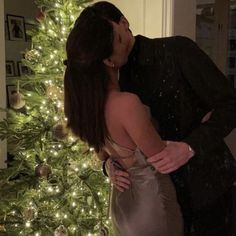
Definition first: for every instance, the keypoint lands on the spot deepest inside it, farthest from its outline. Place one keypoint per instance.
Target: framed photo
(22, 69)
(11, 89)
(16, 27)
(232, 78)
(29, 27)
(232, 44)
(10, 68)
(6, 31)
(232, 62)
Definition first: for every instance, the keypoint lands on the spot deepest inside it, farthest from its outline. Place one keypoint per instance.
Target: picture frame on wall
(11, 89)
(6, 31)
(10, 68)
(231, 77)
(28, 28)
(232, 44)
(22, 69)
(16, 27)
(232, 62)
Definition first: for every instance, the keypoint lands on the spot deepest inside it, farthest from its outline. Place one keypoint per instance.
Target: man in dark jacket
(181, 84)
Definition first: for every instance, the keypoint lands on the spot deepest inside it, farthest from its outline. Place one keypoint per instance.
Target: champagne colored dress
(149, 207)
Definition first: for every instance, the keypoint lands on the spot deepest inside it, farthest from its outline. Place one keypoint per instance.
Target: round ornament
(40, 15)
(59, 131)
(43, 170)
(16, 100)
(30, 213)
(2, 228)
(32, 56)
(61, 231)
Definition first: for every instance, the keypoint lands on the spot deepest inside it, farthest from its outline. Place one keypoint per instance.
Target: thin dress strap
(117, 147)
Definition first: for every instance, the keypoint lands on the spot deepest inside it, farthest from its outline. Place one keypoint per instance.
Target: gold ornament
(32, 56)
(16, 100)
(54, 91)
(2, 228)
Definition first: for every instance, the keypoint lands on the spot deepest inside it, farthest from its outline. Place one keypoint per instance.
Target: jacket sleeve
(213, 88)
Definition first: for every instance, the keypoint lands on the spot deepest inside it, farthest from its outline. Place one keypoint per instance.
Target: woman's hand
(119, 178)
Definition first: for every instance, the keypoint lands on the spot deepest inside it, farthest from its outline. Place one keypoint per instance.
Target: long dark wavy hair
(86, 78)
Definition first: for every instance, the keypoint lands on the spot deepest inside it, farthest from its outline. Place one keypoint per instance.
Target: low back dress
(149, 207)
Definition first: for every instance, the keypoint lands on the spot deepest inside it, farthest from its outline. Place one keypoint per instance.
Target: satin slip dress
(149, 207)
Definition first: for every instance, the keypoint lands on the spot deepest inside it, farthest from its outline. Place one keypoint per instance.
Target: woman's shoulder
(128, 99)
(123, 103)
(129, 103)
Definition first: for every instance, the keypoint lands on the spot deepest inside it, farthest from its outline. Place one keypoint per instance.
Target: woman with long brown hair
(117, 124)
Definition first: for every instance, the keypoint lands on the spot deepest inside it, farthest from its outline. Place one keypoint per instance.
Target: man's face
(122, 44)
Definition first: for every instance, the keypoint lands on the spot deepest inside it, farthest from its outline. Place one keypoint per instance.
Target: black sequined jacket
(180, 84)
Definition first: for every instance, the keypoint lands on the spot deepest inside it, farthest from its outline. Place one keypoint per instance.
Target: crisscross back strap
(118, 147)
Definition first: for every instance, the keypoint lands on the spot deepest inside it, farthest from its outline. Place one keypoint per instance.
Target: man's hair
(108, 11)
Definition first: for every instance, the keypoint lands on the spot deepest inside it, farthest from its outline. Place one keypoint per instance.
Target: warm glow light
(50, 189)
(27, 224)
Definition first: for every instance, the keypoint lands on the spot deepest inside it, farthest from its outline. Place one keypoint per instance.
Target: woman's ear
(124, 22)
(108, 62)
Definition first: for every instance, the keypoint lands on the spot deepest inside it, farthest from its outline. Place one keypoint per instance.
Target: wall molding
(167, 18)
(3, 145)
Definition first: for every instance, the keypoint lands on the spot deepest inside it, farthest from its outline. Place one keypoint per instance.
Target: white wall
(153, 22)
(159, 18)
(184, 18)
(133, 11)
(3, 149)
(144, 16)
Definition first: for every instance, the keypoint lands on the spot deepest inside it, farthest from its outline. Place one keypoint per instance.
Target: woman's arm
(119, 178)
(138, 125)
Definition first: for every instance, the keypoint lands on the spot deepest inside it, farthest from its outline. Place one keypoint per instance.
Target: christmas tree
(54, 184)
